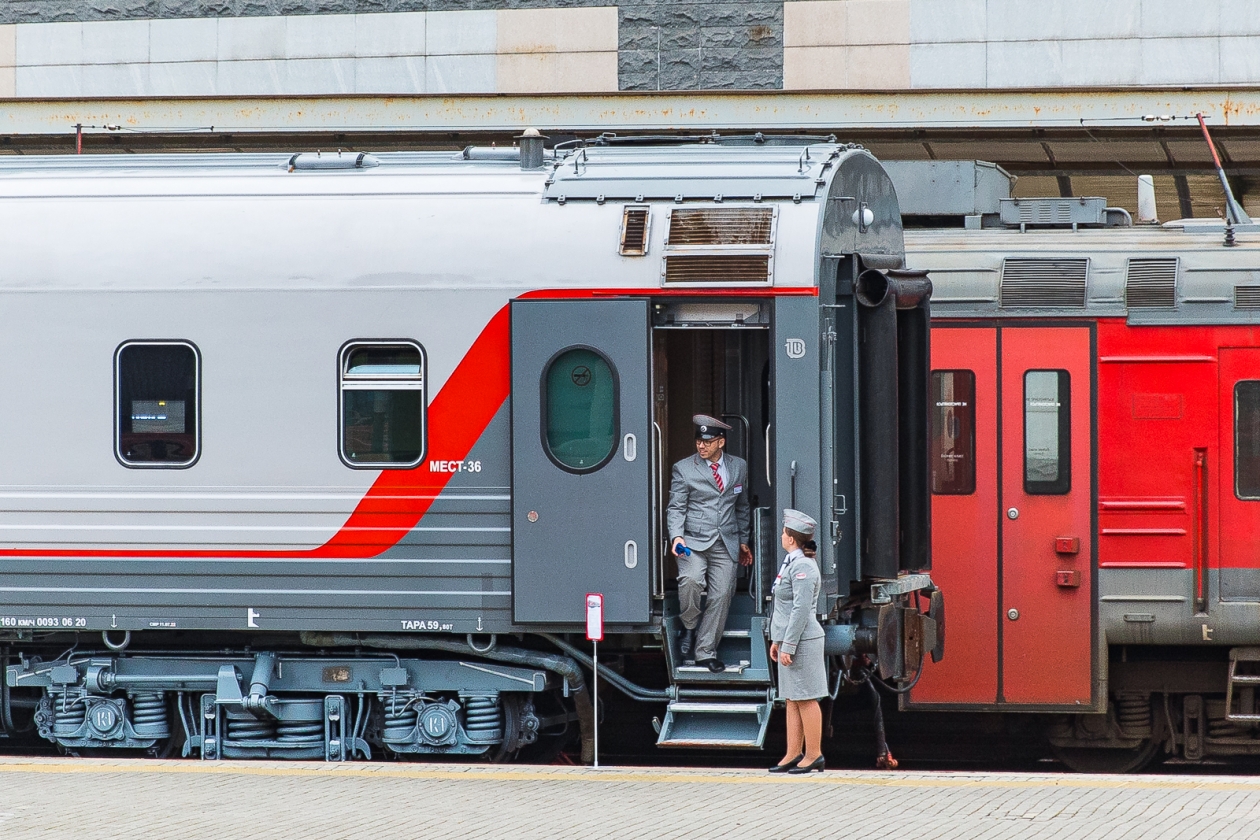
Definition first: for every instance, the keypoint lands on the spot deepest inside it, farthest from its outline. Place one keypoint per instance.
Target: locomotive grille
(721, 226)
(1151, 283)
(717, 268)
(1041, 283)
(634, 231)
(1247, 297)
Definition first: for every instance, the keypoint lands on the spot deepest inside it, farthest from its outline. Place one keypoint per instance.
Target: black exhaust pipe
(893, 383)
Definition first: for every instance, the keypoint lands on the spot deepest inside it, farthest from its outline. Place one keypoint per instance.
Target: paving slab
(106, 798)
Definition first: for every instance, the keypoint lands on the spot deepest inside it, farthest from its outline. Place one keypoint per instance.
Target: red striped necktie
(716, 476)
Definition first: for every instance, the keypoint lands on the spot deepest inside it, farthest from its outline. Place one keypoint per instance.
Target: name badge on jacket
(737, 489)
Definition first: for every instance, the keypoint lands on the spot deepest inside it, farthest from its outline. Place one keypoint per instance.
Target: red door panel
(964, 524)
(1047, 580)
(1240, 474)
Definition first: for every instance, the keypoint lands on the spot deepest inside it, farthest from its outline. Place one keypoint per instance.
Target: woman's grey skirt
(806, 677)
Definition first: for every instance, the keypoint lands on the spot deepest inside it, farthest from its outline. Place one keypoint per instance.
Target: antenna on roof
(1233, 210)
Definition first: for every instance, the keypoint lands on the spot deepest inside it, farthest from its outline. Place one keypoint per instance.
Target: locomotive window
(382, 404)
(1047, 433)
(579, 410)
(1247, 439)
(157, 421)
(953, 432)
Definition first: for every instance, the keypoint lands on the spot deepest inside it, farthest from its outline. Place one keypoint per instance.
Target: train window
(953, 432)
(382, 404)
(579, 409)
(1047, 433)
(1247, 439)
(156, 411)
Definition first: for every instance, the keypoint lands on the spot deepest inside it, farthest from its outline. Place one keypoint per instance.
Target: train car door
(1047, 576)
(964, 455)
(581, 450)
(1012, 546)
(1240, 474)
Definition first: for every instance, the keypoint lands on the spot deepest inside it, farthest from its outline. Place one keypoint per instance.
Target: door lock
(1012, 513)
(1012, 614)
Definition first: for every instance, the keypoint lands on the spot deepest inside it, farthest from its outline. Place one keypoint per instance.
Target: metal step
(1245, 682)
(736, 721)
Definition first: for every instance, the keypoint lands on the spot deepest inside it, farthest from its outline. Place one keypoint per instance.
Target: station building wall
(98, 48)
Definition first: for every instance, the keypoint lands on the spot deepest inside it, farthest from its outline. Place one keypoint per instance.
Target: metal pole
(595, 694)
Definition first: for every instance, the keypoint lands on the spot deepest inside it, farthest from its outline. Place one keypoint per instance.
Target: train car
(1095, 467)
(333, 447)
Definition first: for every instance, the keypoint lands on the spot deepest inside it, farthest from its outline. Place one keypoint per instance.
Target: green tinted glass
(581, 409)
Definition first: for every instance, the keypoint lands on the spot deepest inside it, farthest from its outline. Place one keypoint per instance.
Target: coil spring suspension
(400, 722)
(483, 718)
(301, 732)
(250, 730)
(149, 715)
(69, 713)
(1133, 712)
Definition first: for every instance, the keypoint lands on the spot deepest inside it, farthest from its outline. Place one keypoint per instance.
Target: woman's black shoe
(787, 768)
(817, 764)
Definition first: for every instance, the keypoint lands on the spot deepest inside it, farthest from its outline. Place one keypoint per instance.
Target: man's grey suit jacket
(701, 515)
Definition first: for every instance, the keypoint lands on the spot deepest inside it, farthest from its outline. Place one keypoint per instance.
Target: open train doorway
(713, 358)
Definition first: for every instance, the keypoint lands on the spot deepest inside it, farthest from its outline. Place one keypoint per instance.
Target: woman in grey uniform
(796, 643)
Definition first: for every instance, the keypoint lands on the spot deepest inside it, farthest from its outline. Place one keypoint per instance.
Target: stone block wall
(72, 48)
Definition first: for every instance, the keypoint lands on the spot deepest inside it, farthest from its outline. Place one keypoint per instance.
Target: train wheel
(1109, 760)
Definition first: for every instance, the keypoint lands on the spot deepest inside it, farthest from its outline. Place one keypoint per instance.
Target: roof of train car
(767, 172)
(1204, 279)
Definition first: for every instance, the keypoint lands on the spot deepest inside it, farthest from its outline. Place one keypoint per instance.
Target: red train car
(1095, 468)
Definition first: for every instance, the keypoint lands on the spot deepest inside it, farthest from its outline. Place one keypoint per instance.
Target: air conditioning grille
(1151, 283)
(1044, 283)
(721, 226)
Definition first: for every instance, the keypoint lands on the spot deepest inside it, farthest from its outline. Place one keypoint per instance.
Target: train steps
(730, 709)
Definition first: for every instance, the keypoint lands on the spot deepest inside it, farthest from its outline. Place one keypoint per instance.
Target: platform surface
(87, 798)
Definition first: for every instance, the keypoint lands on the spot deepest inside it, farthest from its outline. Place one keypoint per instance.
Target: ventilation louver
(1247, 297)
(717, 268)
(1043, 284)
(1151, 283)
(634, 231)
(721, 226)
(719, 245)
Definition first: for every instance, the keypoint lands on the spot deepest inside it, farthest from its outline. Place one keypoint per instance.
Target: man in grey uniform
(707, 520)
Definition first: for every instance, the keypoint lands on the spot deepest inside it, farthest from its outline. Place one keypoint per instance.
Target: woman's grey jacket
(794, 610)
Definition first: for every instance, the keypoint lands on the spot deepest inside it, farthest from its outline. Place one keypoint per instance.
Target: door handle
(630, 447)
(632, 554)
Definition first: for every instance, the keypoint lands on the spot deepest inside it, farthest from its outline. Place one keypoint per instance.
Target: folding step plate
(716, 722)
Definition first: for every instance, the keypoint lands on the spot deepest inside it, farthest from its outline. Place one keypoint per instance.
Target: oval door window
(580, 409)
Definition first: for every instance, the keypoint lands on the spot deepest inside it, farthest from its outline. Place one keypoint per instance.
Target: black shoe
(687, 643)
(817, 764)
(714, 665)
(787, 768)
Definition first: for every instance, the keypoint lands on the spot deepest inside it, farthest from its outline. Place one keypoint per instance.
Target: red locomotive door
(1240, 474)
(1047, 488)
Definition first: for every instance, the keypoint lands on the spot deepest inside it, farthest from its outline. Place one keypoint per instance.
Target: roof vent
(1247, 297)
(1151, 283)
(709, 226)
(634, 231)
(1042, 283)
(1053, 212)
(716, 268)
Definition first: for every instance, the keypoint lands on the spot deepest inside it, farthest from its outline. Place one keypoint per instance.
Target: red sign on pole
(594, 616)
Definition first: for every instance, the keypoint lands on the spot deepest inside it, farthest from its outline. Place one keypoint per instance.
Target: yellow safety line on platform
(835, 778)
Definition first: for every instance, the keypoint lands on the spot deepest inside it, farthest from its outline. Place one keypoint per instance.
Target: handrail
(769, 479)
(1200, 534)
(658, 552)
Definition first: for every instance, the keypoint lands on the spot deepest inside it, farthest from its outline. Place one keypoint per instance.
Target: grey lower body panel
(1157, 607)
(450, 574)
